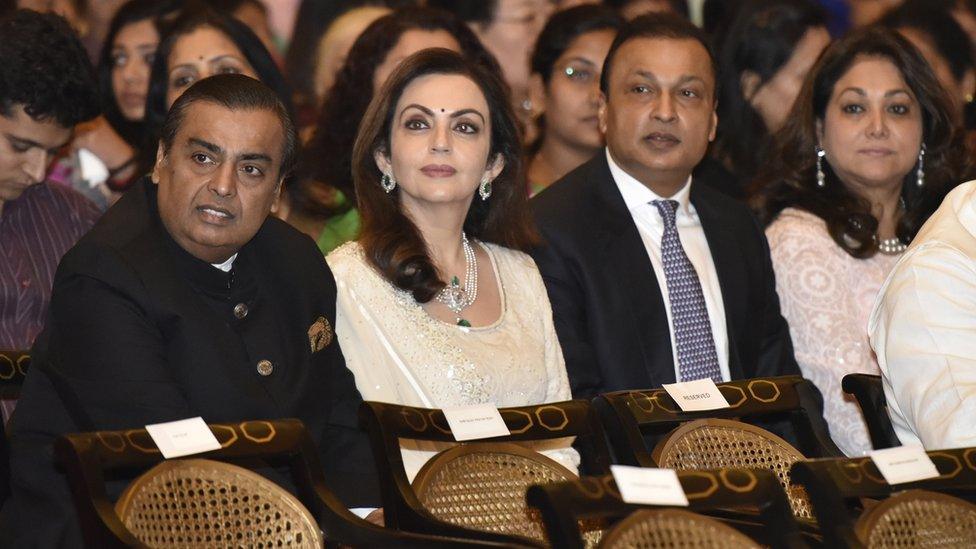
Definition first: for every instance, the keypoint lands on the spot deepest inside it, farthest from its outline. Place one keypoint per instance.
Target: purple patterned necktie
(692, 331)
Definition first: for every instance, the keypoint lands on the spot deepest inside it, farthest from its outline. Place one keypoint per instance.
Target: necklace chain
(456, 297)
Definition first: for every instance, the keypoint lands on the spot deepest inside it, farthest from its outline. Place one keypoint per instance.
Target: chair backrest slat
(868, 390)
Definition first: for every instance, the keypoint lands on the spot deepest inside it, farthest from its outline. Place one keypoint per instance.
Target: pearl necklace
(891, 246)
(455, 297)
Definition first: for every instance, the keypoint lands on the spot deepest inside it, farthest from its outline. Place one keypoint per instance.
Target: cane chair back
(637, 420)
(673, 528)
(868, 391)
(720, 443)
(752, 498)
(90, 459)
(483, 487)
(919, 518)
(388, 423)
(228, 505)
(838, 488)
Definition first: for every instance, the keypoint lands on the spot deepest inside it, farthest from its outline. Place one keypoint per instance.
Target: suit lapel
(631, 271)
(729, 266)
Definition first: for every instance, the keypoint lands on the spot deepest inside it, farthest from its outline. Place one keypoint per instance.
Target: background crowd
(819, 136)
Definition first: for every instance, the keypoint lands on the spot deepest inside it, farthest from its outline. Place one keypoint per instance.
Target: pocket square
(319, 334)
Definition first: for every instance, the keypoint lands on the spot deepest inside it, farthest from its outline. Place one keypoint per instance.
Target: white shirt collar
(226, 265)
(636, 194)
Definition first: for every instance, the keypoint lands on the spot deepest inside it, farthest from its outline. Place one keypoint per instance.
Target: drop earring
(484, 190)
(388, 183)
(821, 177)
(920, 172)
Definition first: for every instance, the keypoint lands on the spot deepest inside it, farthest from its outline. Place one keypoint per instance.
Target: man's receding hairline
(708, 55)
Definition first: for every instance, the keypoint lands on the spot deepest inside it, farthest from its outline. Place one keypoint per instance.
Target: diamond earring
(920, 172)
(484, 190)
(821, 177)
(388, 183)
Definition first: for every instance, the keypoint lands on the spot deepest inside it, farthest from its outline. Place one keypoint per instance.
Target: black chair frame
(635, 421)
(869, 394)
(835, 487)
(564, 504)
(13, 370)
(388, 423)
(87, 457)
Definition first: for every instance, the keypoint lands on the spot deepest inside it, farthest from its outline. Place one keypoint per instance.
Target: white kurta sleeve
(925, 328)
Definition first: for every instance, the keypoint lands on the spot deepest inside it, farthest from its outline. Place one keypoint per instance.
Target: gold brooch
(319, 334)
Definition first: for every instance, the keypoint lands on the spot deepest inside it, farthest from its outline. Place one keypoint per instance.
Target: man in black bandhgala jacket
(187, 300)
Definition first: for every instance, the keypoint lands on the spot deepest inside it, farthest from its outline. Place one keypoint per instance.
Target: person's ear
(749, 83)
(601, 113)
(160, 160)
(714, 123)
(819, 127)
(537, 95)
(495, 167)
(383, 163)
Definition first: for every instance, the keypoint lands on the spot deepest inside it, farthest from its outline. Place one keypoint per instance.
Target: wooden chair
(89, 459)
(919, 516)
(635, 421)
(13, 369)
(465, 471)
(564, 505)
(716, 443)
(870, 396)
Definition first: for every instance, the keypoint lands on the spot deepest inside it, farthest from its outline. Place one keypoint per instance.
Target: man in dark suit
(654, 279)
(188, 300)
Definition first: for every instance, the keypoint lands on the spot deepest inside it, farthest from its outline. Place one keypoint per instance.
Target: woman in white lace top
(869, 152)
(436, 305)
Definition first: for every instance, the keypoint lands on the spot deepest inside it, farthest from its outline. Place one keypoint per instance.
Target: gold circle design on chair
(918, 518)
(541, 411)
(257, 426)
(670, 528)
(722, 444)
(7, 363)
(757, 383)
(414, 419)
(482, 486)
(203, 503)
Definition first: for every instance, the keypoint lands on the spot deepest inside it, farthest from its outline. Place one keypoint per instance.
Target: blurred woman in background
(565, 90)
(763, 60)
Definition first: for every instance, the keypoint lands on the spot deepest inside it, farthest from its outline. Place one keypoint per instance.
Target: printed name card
(904, 464)
(183, 437)
(649, 486)
(698, 395)
(474, 422)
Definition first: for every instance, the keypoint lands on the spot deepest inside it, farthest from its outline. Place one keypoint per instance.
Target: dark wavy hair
(327, 158)
(44, 68)
(191, 19)
(789, 179)
(938, 24)
(133, 11)
(391, 241)
(761, 40)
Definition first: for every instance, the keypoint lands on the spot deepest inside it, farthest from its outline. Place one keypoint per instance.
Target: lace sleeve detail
(826, 296)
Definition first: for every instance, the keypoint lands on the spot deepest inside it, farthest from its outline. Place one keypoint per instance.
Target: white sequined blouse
(401, 354)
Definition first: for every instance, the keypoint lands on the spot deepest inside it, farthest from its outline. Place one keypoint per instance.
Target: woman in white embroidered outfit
(436, 304)
(867, 155)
